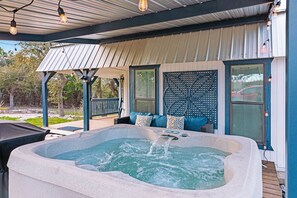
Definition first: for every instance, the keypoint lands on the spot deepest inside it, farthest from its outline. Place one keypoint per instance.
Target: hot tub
(33, 173)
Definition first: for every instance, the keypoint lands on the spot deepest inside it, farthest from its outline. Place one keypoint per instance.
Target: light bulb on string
(62, 14)
(13, 29)
(143, 5)
(264, 49)
(13, 26)
(277, 6)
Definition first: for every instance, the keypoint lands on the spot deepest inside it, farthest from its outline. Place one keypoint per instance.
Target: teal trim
(132, 84)
(46, 76)
(291, 100)
(86, 76)
(267, 73)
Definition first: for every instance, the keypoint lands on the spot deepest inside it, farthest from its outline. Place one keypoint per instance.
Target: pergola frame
(194, 10)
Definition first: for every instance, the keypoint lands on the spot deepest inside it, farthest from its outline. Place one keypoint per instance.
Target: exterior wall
(277, 101)
(278, 113)
(278, 30)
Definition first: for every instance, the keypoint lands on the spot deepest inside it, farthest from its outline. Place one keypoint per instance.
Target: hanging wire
(17, 9)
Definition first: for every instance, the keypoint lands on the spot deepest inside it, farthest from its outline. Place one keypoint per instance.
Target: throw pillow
(175, 122)
(143, 120)
(133, 116)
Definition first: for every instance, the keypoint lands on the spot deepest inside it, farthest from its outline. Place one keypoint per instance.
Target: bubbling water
(163, 165)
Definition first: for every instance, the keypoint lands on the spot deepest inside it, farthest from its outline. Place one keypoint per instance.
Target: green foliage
(105, 88)
(52, 120)
(8, 118)
(72, 90)
(3, 57)
(18, 77)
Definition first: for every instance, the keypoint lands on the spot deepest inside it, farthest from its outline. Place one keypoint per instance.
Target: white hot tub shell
(33, 174)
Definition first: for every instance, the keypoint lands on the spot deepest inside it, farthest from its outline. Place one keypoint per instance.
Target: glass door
(144, 89)
(144, 92)
(247, 102)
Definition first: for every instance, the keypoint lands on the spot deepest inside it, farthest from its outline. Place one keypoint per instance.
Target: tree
(56, 87)
(3, 57)
(12, 79)
(18, 77)
(105, 88)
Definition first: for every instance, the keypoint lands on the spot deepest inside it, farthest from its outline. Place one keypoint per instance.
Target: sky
(9, 45)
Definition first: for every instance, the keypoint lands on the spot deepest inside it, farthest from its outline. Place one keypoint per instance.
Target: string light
(264, 49)
(13, 26)
(143, 5)
(268, 25)
(62, 15)
(277, 6)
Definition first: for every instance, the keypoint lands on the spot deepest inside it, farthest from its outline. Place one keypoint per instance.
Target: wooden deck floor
(271, 187)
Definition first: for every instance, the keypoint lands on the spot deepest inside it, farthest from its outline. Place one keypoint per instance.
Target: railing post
(46, 76)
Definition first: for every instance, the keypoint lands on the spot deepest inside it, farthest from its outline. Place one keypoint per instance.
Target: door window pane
(247, 83)
(247, 120)
(145, 90)
(145, 105)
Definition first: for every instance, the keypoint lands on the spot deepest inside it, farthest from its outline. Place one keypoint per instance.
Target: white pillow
(143, 120)
(175, 122)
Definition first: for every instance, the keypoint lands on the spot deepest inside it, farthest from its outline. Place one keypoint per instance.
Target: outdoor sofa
(192, 123)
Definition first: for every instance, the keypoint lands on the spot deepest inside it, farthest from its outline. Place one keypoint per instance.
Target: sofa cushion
(175, 122)
(133, 116)
(159, 121)
(143, 120)
(195, 123)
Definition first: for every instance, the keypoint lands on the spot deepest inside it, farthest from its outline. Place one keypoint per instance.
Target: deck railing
(104, 106)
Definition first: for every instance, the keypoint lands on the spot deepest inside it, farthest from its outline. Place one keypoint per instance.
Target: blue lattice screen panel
(191, 93)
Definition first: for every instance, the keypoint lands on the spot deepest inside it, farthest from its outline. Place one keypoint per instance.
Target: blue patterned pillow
(175, 122)
(143, 120)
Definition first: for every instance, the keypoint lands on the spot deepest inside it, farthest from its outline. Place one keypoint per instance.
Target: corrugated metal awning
(232, 43)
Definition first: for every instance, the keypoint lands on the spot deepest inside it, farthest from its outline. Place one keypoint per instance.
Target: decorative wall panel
(191, 93)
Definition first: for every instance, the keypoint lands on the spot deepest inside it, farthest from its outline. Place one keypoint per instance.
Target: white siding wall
(279, 35)
(278, 113)
(210, 65)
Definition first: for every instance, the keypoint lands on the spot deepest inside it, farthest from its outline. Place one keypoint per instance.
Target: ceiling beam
(40, 38)
(153, 18)
(21, 37)
(187, 28)
(79, 41)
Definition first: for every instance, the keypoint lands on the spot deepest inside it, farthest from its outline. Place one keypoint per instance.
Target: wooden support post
(46, 76)
(291, 102)
(86, 77)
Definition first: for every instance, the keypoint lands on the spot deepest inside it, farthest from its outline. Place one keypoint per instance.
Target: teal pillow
(143, 120)
(175, 122)
(159, 121)
(195, 123)
(133, 116)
